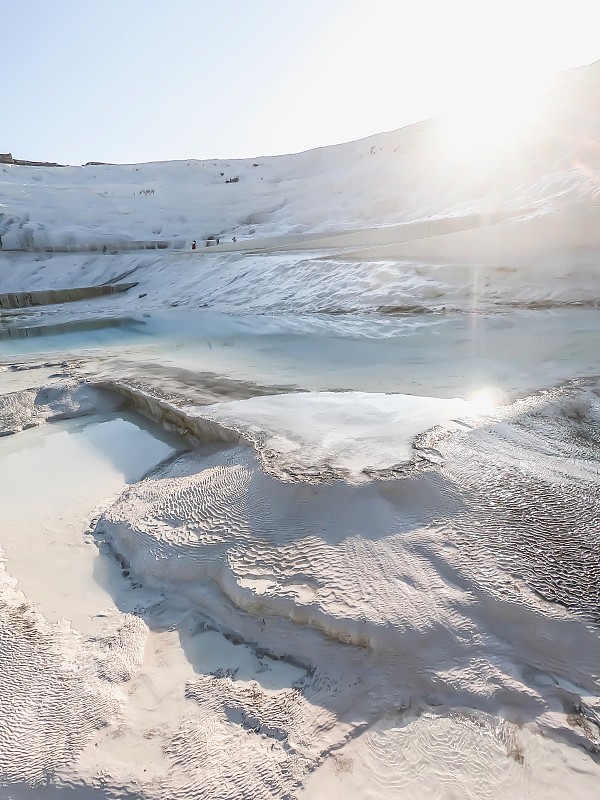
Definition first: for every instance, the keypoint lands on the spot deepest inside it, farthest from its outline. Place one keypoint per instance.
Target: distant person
(234, 240)
(194, 245)
(217, 240)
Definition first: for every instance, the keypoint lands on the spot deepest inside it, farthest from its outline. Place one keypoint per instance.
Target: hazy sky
(141, 80)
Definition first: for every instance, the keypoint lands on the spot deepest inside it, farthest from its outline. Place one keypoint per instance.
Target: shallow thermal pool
(54, 479)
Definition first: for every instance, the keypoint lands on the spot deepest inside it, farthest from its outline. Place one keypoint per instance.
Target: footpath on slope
(360, 237)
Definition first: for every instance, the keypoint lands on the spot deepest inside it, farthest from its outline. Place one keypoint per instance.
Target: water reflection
(23, 331)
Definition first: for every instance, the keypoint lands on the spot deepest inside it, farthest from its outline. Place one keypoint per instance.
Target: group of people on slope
(212, 240)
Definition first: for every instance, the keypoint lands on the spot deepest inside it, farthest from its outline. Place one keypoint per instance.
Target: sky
(146, 80)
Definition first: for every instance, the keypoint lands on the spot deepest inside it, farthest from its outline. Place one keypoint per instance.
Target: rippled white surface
(462, 755)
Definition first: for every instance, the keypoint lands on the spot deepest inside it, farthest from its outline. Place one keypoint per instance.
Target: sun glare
(492, 113)
(486, 399)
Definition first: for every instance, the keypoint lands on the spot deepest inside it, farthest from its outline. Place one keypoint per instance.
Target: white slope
(391, 178)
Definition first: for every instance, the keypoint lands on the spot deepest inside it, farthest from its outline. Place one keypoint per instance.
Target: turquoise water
(443, 354)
